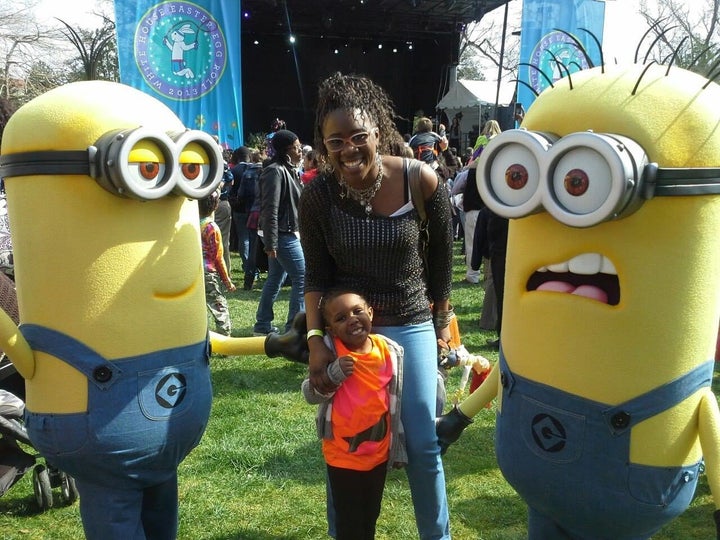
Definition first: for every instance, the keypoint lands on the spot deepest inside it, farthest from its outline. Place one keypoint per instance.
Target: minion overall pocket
(159, 415)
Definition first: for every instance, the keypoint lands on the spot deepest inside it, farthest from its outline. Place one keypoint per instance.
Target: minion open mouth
(590, 275)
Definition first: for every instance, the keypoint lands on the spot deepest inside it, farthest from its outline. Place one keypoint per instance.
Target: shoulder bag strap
(413, 170)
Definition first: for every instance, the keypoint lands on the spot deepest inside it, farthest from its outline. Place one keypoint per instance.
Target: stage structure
(407, 46)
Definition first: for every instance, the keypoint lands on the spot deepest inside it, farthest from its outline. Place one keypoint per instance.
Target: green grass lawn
(258, 473)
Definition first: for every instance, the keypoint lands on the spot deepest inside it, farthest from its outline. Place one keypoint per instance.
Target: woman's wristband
(442, 318)
(315, 332)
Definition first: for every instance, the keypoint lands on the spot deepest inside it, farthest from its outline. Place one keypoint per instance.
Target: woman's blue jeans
(243, 239)
(424, 469)
(290, 261)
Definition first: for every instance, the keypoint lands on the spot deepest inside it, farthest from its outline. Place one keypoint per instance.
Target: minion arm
(450, 426)
(229, 346)
(291, 345)
(709, 433)
(482, 395)
(14, 345)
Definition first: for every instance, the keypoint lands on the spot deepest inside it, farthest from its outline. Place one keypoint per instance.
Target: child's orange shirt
(360, 417)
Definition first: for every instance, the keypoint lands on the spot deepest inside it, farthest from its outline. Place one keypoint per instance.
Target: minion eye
(510, 172)
(136, 163)
(199, 164)
(149, 170)
(194, 164)
(190, 170)
(146, 169)
(593, 177)
(576, 182)
(581, 181)
(514, 175)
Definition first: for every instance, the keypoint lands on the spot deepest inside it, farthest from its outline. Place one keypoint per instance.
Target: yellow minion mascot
(612, 300)
(102, 182)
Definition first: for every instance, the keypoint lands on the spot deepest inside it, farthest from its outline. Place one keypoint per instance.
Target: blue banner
(186, 54)
(546, 46)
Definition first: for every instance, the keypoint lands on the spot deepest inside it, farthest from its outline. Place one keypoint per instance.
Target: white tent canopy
(466, 93)
(474, 100)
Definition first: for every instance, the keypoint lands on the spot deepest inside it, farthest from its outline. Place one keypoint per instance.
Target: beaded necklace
(364, 196)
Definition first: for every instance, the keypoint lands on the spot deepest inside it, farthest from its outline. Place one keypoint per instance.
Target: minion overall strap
(624, 416)
(90, 363)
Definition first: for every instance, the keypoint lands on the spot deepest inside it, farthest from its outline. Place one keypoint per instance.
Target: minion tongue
(588, 291)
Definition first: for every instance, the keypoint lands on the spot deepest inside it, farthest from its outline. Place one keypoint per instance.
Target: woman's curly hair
(355, 93)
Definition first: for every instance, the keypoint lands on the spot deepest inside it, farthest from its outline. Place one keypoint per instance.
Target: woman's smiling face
(354, 163)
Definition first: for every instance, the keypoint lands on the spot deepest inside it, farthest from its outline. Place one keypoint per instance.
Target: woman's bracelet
(442, 318)
(315, 332)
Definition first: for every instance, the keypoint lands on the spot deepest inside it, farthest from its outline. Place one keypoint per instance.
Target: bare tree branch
(481, 43)
(688, 32)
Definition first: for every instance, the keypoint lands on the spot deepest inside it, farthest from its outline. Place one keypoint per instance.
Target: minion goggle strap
(138, 163)
(581, 179)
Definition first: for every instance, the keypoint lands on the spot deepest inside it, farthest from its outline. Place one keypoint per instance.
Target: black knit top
(377, 256)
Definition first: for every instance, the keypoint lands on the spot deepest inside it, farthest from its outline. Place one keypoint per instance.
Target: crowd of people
(238, 215)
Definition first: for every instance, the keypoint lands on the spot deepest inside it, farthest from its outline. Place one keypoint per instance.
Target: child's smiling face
(349, 318)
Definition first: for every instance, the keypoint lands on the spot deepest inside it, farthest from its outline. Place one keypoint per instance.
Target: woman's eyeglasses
(335, 144)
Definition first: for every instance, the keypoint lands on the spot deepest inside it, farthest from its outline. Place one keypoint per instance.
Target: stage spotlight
(327, 21)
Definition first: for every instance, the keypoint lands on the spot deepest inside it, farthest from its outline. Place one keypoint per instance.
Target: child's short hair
(313, 156)
(209, 204)
(332, 294)
(424, 125)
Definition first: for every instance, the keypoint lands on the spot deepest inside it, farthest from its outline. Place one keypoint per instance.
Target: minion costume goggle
(581, 179)
(138, 163)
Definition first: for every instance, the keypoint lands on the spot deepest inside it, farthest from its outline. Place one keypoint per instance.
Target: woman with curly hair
(360, 230)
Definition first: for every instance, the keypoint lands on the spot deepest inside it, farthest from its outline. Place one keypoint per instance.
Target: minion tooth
(608, 267)
(558, 267)
(586, 264)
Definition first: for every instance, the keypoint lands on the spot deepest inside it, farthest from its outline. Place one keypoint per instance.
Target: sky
(623, 25)
(72, 11)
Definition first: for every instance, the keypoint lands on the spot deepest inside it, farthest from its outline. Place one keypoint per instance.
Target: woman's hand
(444, 334)
(320, 357)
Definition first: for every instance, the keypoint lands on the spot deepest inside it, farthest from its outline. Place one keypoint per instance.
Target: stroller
(14, 460)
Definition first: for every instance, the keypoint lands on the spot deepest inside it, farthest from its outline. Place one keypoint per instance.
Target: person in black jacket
(490, 241)
(472, 203)
(280, 190)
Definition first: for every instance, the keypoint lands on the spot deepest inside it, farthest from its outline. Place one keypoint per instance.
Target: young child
(214, 264)
(359, 424)
(311, 162)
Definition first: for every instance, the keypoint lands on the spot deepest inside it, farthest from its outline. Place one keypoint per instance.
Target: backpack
(426, 152)
(226, 183)
(242, 194)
